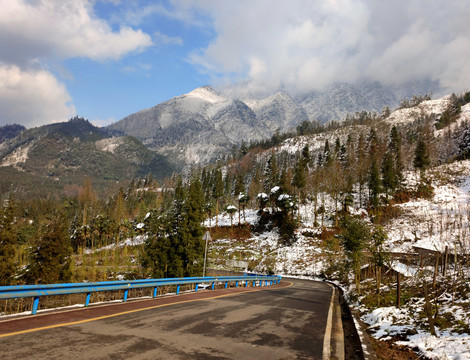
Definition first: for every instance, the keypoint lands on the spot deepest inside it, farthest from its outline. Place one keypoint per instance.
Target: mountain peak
(206, 93)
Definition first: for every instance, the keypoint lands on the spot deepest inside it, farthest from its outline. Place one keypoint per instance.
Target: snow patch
(20, 155)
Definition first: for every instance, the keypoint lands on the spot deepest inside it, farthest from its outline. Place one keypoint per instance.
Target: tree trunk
(427, 306)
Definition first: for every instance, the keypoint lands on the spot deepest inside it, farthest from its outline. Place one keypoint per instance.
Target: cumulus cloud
(35, 32)
(32, 29)
(305, 45)
(32, 97)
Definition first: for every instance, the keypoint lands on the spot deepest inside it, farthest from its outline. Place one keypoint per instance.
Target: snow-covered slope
(423, 110)
(440, 222)
(278, 111)
(195, 127)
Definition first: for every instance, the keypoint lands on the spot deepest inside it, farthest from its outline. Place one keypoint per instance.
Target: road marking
(133, 311)
(327, 338)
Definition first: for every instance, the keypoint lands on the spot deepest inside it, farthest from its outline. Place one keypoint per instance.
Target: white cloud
(62, 29)
(308, 44)
(34, 33)
(33, 97)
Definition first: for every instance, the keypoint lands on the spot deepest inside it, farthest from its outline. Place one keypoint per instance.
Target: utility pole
(207, 237)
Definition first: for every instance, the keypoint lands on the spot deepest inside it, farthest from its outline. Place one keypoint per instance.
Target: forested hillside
(360, 203)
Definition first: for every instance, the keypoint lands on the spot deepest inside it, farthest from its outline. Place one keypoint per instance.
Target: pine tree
(7, 244)
(326, 154)
(174, 247)
(361, 165)
(337, 148)
(421, 160)
(51, 256)
(217, 191)
(374, 183)
(271, 176)
(306, 157)
(157, 246)
(395, 148)
(193, 254)
(300, 177)
(355, 238)
(388, 173)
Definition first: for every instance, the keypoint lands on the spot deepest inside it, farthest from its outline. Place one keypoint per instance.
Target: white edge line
(327, 338)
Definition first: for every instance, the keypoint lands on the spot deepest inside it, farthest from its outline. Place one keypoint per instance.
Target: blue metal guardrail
(36, 291)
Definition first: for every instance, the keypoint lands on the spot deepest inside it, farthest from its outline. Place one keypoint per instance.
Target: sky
(106, 59)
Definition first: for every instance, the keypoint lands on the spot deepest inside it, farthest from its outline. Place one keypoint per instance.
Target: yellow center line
(130, 312)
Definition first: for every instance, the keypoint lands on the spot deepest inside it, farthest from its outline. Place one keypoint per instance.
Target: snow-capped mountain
(203, 124)
(278, 111)
(195, 127)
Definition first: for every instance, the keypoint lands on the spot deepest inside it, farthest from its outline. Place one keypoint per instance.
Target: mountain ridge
(206, 122)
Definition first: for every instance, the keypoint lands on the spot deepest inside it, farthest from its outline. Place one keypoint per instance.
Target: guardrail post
(265, 282)
(213, 286)
(236, 283)
(261, 283)
(226, 284)
(246, 283)
(254, 283)
(35, 305)
(177, 289)
(87, 300)
(271, 283)
(197, 285)
(155, 291)
(126, 292)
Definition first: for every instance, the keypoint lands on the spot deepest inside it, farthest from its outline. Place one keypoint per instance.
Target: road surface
(285, 321)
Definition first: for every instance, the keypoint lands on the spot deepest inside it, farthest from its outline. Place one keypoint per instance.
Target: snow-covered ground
(386, 322)
(443, 220)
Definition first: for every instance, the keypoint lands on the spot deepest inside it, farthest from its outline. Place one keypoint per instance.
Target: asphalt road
(285, 321)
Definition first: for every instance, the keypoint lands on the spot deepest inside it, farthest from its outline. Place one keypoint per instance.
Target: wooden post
(444, 270)
(436, 269)
(398, 290)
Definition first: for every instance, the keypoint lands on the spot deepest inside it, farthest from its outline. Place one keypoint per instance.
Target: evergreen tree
(7, 244)
(395, 148)
(355, 238)
(194, 216)
(157, 246)
(271, 176)
(306, 157)
(217, 191)
(299, 179)
(361, 165)
(464, 144)
(326, 153)
(388, 173)
(337, 148)
(239, 184)
(175, 247)
(51, 256)
(421, 160)
(374, 183)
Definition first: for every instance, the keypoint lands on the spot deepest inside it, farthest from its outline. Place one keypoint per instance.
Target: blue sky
(112, 89)
(105, 59)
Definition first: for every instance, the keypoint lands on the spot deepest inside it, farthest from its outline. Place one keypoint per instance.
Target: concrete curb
(368, 352)
(367, 348)
(338, 332)
(329, 324)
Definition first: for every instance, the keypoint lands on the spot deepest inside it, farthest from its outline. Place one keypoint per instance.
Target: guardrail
(37, 291)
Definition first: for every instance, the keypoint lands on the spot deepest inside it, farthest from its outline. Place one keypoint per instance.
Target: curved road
(285, 321)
